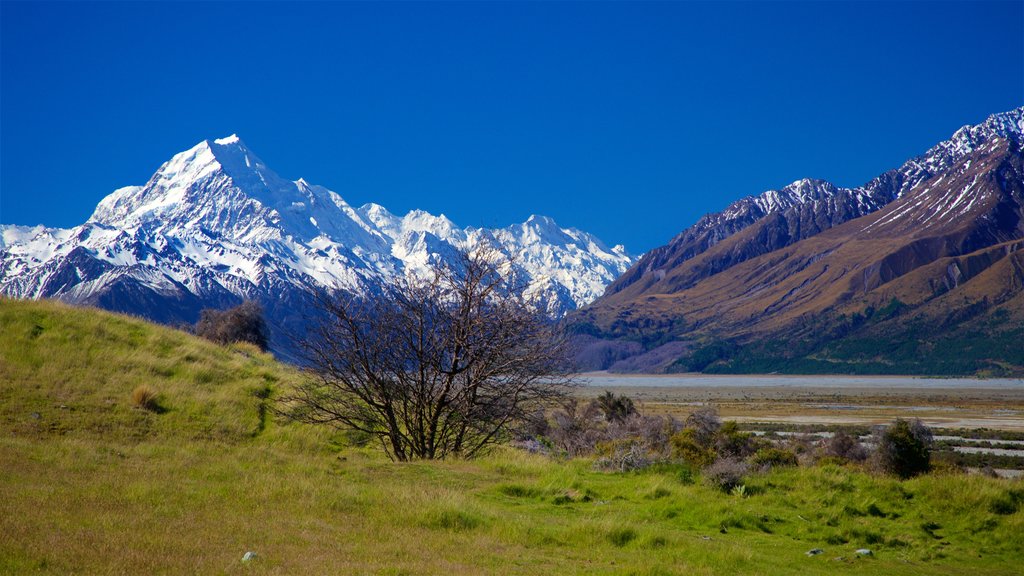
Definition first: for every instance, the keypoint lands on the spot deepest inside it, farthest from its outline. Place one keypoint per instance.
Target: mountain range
(214, 225)
(919, 270)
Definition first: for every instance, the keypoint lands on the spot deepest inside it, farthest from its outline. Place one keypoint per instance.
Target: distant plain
(940, 402)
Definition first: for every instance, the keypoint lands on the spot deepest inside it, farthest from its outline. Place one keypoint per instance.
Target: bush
(588, 429)
(622, 455)
(686, 448)
(904, 449)
(726, 474)
(845, 447)
(773, 458)
(243, 323)
(730, 442)
(146, 398)
(615, 408)
(576, 430)
(705, 425)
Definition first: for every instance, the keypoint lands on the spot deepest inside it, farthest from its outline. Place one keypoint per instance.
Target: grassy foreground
(91, 485)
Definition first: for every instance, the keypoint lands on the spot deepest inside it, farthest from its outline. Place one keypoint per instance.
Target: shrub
(686, 448)
(146, 398)
(726, 474)
(705, 425)
(584, 430)
(904, 449)
(243, 323)
(653, 431)
(622, 455)
(730, 442)
(577, 430)
(773, 457)
(845, 447)
(615, 408)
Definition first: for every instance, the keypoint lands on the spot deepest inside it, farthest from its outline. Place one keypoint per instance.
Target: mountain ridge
(941, 256)
(843, 205)
(214, 225)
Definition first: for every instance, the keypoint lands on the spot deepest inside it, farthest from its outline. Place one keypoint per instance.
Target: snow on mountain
(214, 224)
(808, 206)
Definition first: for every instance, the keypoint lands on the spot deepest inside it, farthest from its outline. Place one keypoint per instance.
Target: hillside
(831, 280)
(92, 485)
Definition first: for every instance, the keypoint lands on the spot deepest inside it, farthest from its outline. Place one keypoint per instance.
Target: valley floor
(75, 506)
(90, 483)
(824, 400)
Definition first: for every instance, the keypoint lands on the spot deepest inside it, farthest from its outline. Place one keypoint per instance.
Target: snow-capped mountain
(215, 225)
(807, 207)
(920, 270)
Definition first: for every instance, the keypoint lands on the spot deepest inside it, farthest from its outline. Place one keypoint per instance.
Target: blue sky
(629, 120)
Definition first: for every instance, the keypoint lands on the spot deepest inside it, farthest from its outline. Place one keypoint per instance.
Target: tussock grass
(98, 487)
(147, 398)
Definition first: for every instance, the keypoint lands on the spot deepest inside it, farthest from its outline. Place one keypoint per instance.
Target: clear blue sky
(629, 120)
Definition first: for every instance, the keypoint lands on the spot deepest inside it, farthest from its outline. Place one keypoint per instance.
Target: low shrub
(686, 448)
(576, 430)
(243, 323)
(615, 408)
(726, 474)
(731, 442)
(904, 448)
(773, 458)
(845, 447)
(622, 455)
(704, 424)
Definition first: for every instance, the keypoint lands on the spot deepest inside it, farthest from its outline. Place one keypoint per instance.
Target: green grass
(100, 487)
(73, 370)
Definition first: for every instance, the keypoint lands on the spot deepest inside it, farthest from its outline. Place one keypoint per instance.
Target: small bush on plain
(766, 458)
(686, 448)
(726, 473)
(615, 408)
(845, 447)
(730, 442)
(904, 449)
(623, 455)
(705, 425)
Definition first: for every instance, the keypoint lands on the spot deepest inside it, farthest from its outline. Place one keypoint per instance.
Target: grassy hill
(91, 484)
(71, 371)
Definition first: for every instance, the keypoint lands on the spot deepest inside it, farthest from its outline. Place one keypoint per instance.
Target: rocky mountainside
(819, 278)
(214, 225)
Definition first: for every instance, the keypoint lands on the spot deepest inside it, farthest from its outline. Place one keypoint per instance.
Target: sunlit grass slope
(100, 487)
(71, 371)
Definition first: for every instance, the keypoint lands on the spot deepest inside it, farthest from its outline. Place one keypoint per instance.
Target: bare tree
(441, 365)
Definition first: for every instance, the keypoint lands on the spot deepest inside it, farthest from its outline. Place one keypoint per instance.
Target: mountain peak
(196, 185)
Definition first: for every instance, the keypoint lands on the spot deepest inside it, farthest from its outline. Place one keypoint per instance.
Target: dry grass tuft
(145, 397)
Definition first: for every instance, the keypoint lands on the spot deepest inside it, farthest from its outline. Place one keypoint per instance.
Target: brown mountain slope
(804, 209)
(944, 250)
